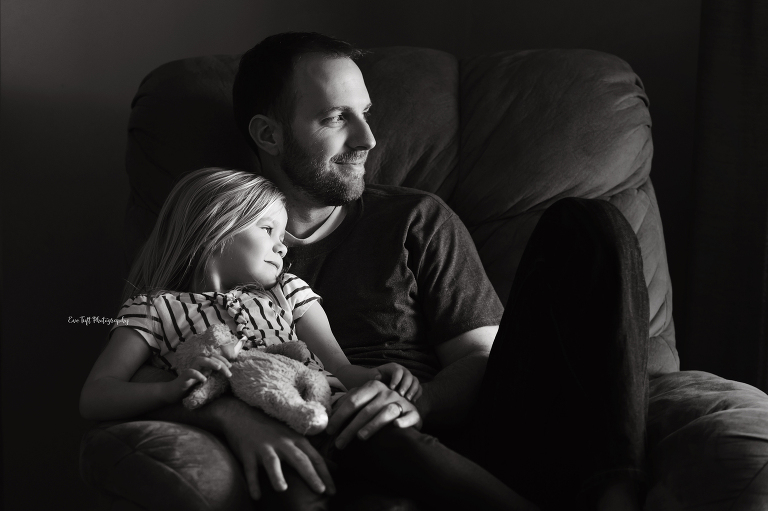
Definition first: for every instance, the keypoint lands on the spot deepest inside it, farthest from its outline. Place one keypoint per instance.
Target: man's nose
(362, 138)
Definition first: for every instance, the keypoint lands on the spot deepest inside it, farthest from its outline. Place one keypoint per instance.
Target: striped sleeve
(299, 295)
(145, 320)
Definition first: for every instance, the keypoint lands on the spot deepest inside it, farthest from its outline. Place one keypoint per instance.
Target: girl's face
(254, 255)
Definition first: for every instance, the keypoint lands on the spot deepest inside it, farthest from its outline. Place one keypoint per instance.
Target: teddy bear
(273, 379)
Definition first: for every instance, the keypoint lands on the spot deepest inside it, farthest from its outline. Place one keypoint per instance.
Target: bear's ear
(231, 350)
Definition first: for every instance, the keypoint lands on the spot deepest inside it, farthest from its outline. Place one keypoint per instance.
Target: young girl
(216, 256)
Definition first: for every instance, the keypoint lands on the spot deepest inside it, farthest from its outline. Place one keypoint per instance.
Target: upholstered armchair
(499, 137)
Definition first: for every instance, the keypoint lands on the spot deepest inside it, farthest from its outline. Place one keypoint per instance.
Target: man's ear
(266, 133)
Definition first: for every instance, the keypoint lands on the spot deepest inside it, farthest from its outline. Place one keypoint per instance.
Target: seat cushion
(708, 444)
(163, 465)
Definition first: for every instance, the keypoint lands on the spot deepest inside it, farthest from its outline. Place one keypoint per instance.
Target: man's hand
(371, 407)
(259, 440)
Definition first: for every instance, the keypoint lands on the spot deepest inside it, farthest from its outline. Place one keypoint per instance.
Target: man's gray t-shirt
(397, 277)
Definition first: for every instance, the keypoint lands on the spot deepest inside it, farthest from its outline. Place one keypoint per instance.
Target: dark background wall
(69, 71)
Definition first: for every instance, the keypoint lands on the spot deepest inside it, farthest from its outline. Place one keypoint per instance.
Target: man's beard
(317, 177)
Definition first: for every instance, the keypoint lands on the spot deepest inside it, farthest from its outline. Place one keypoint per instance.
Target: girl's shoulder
(140, 300)
(290, 285)
(289, 280)
(296, 292)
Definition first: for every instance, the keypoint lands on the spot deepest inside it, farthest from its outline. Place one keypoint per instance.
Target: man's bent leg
(562, 409)
(411, 463)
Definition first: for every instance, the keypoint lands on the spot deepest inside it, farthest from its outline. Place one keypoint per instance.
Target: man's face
(327, 143)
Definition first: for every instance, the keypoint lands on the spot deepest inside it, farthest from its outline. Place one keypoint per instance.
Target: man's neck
(304, 219)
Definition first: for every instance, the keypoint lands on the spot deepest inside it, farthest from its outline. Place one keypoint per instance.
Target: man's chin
(341, 194)
(338, 184)
(352, 193)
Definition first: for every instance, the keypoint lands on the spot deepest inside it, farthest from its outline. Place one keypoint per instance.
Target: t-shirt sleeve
(299, 295)
(145, 320)
(454, 290)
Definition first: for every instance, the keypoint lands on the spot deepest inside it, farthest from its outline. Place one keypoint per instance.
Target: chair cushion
(181, 120)
(708, 444)
(163, 465)
(537, 126)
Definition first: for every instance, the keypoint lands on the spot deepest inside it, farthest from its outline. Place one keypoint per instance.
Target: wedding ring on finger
(400, 407)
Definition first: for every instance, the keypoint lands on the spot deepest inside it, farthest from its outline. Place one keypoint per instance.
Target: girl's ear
(266, 133)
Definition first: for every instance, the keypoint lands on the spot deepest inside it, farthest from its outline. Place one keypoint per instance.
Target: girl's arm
(314, 329)
(108, 394)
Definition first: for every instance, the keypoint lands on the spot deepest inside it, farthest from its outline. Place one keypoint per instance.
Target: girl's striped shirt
(264, 318)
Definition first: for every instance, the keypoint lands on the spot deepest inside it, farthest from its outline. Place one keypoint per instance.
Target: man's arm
(448, 398)
(255, 438)
(445, 401)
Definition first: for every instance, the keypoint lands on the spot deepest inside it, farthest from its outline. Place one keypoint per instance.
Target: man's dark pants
(562, 407)
(563, 404)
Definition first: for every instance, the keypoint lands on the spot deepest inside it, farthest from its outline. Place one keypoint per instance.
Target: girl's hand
(197, 372)
(400, 379)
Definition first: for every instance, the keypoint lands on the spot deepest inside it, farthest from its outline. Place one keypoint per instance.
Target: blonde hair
(202, 213)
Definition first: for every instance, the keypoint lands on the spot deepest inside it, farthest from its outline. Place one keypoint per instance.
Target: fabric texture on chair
(139, 461)
(526, 142)
(708, 443)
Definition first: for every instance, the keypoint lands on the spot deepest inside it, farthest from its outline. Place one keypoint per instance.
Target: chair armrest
(708, 443)
(163, 465)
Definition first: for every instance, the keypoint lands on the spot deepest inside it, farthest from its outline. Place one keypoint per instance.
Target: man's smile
(356, 158)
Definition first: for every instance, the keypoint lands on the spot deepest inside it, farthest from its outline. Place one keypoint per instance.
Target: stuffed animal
(273, 379)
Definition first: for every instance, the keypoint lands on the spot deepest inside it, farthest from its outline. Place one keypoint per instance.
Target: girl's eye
(268, 229)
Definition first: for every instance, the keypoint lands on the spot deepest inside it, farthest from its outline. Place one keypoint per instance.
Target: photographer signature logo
(96, 320)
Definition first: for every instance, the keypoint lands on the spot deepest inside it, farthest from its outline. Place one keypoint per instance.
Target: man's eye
(367, 115)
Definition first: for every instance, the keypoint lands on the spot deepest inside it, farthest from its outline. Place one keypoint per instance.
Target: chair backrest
(499, 137)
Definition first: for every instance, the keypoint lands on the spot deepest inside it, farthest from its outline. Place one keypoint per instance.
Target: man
(401, 281)
(312, 139)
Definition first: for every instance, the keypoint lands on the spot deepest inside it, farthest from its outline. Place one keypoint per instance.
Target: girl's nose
(280, 249)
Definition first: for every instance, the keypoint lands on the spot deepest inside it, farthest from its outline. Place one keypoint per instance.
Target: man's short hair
(264, 76)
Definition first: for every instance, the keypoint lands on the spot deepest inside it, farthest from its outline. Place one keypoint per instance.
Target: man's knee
(594, 222)
(581, 211)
